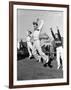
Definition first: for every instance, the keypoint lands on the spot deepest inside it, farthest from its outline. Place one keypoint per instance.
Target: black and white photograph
(40, 44)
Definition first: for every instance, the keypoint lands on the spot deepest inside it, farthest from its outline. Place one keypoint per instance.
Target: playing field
(29, 69)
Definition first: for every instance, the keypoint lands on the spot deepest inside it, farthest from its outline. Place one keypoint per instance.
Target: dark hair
(35, 23)
(29, 32)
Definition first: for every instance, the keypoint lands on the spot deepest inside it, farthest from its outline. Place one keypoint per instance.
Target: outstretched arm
(58, 33)
(52, 33)
(41, 25)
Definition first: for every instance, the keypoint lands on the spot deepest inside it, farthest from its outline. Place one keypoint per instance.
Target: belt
(36, 39)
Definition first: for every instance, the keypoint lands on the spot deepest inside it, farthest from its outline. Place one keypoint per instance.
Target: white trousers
(29, 46)
(18, 45)
(59, 51)
(37, 46)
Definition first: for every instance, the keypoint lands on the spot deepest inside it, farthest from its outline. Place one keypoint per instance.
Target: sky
(25, 19)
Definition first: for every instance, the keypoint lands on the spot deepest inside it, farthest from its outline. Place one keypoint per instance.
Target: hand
(37, 19)
(51, 28)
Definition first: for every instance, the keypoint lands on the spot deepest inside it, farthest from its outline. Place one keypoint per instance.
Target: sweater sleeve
(41, 25)
(59, 34)
(53, 34)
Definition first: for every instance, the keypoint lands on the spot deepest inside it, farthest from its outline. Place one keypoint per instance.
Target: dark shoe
(45, 65)
(42, 60)
(50, 65)
(37, 60)
(31, 57)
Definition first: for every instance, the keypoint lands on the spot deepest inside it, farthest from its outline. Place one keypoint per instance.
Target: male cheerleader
(36, 44)
(59, 47)
(29, 43)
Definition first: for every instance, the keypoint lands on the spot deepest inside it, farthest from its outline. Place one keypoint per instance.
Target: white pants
(36, 46)
(18, 45)
(29, 46)
(59, 51)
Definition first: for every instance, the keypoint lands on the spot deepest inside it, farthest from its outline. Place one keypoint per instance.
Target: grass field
(29, 69)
